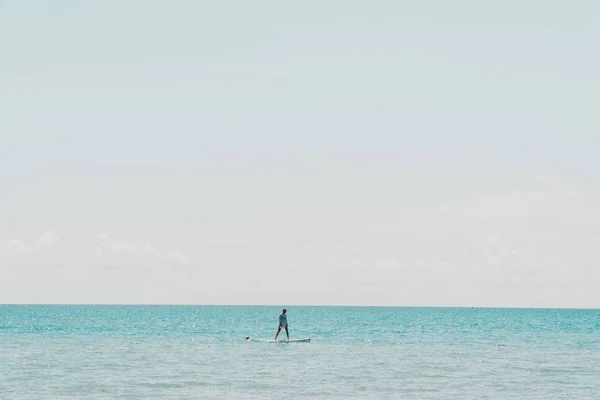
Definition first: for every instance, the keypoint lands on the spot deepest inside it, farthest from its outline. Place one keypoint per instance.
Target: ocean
(199, 352)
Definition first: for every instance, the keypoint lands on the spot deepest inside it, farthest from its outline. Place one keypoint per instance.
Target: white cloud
(389, 264)
(180, 258)
(498, 250)
(48, 250)
(553, 196)
(46, 241)
(112, 253)
(505, 205)
(45, 251)
(448, 261)
(102, 236)
(14, 246)
(346, 263)
(147, 249)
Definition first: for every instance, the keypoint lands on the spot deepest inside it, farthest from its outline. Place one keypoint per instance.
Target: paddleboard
(278, 341)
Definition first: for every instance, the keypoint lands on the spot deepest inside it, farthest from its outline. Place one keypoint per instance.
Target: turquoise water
(199, 352)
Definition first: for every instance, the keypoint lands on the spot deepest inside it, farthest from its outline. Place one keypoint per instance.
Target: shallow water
(183, 352)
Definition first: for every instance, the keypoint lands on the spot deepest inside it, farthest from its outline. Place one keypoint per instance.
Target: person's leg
(287, 333)
(278, 330)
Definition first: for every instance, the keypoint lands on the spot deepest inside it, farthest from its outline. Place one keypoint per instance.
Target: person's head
(284, 311)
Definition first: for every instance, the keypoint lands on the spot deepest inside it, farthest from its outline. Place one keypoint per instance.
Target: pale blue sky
(389, 152)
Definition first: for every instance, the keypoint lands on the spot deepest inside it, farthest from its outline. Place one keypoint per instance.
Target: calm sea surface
(199, 352)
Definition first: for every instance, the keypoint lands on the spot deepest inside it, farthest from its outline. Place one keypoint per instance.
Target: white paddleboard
(278, 341)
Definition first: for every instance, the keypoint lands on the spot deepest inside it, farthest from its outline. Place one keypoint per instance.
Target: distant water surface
(199, 352)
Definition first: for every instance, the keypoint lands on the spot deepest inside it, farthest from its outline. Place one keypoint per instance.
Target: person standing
(283, 324)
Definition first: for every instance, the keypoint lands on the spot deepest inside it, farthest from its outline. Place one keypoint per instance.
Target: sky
(402, 153)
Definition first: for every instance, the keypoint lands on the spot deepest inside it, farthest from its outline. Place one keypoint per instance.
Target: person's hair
(284, 309)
